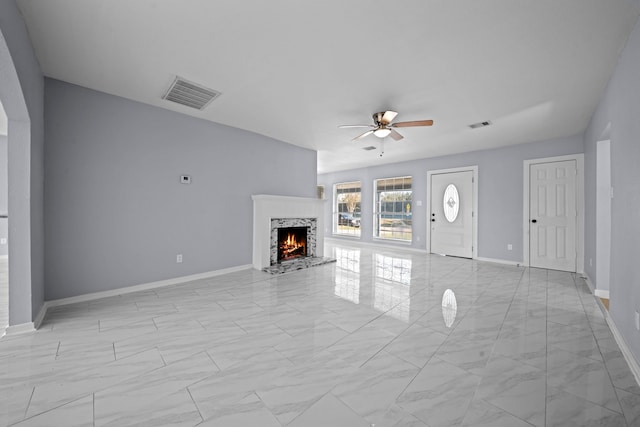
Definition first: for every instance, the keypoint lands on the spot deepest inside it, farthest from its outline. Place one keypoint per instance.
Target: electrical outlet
(179, 258)
(3, 241)
(637, 321)
(509, 247)
(590, 262)
(417, 238)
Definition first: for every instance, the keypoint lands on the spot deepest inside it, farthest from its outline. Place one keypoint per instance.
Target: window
(451, 203)
(346, 209)
(392, 211)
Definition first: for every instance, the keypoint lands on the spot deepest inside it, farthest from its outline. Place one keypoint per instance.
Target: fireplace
(292, 238)
(271, 213)
(292, 243)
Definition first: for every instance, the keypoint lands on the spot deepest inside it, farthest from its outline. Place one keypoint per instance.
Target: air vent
(480, 125)
(190, 94)
(369, 148)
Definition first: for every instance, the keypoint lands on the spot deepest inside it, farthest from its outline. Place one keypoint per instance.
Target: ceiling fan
(383, 127)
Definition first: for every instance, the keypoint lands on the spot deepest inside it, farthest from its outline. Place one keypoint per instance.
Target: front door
(451, 215)
(553, 215)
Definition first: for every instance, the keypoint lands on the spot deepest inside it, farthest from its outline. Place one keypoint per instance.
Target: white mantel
(267, 207)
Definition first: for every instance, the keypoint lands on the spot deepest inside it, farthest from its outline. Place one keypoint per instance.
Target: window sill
(348, 236)
(402, 242)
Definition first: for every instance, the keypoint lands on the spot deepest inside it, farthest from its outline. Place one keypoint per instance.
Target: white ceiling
(294, 70)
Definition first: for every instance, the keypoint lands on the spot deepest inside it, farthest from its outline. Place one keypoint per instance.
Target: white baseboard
(624, 348)
(128, 290)
(22, 328)
(590, 284)
(601, 293)
(379, 244)
(144, 286)
(500, 261)
(375, 244)
(40, 317)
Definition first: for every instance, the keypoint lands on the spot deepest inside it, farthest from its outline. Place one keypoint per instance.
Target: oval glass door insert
(451, 203)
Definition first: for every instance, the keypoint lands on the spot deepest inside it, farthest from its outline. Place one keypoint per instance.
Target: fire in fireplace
(292, 243)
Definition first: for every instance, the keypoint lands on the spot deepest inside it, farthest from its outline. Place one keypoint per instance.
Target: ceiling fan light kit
(383, 127)
(382, 132)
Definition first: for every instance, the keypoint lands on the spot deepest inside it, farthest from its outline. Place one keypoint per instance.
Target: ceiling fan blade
(355, 126)
(413, 123)
(367, 133)
(395, 135)
(388, 117)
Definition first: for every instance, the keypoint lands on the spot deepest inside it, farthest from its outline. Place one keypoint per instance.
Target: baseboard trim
(136, 288)
(376, 244)
(624, 348)
(590, 284)
(22, 328)
(40, 317)
(600, 293)
(500, 261)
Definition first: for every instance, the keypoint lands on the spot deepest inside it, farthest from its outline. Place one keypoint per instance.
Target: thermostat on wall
(185, 179)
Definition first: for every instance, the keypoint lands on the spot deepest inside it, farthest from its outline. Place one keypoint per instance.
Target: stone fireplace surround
(312, 231)
(269, 210)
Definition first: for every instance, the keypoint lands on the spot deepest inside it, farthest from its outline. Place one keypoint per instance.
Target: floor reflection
(391, 287)
(347, 278)
(381, 281)
(449, 307)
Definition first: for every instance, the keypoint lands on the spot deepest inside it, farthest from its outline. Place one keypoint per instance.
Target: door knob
(534, 221)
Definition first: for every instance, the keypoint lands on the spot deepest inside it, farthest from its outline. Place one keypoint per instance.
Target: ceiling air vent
(190, 94)
(369, 148)
(480, 125)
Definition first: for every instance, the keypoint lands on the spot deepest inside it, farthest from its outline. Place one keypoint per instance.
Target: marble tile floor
(365, 341)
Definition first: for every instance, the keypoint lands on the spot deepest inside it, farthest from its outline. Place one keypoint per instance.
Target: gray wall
(22, 94)
(116, 214)
(4, 193)
(620, 106)
(500, 186)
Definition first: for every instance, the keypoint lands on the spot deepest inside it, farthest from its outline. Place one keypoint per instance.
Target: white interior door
(553, 215)
(451, 215)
